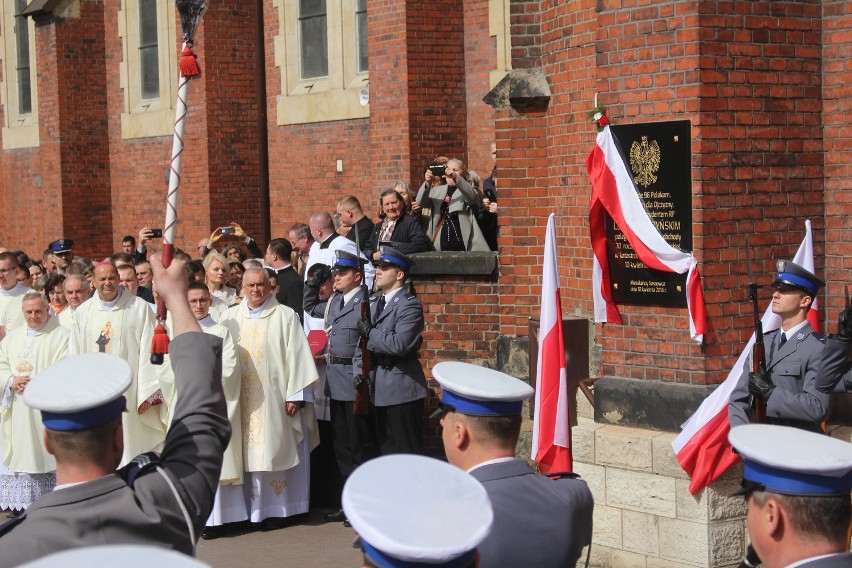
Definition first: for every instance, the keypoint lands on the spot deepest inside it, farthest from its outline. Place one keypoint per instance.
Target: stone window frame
(145, 118)
(19, 130)
(323, 99)
(499, 27)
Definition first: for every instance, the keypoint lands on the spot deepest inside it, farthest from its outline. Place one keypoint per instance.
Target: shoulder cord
(183, 510)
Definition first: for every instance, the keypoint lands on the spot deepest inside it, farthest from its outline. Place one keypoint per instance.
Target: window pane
(25, 93)
(147, 22)
(149, 60)
(149, 63)
(361, 34)
(22, 59)
(313, 38)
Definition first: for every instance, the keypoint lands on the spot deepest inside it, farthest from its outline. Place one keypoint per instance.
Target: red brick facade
(765, 84)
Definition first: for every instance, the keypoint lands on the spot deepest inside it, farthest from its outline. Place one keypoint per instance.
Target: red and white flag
(614, 193)
(551, 444)
(702, 447)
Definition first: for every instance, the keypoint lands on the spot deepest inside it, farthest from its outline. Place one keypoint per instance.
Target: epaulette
(7, 527)
(139, 465)
(410, 296)
(563, 475)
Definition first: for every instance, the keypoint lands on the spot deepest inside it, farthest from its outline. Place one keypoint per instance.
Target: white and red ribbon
(615, 193)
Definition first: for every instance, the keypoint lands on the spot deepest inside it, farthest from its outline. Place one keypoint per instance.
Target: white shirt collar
(255, 312)
(789, 333)
(108, 306)
(350, 294)
(16, 291)
(206, 321)
(489, 462)
(391, 294)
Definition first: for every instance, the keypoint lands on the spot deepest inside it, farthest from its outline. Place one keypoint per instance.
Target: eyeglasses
(443, 410)
(5, 271)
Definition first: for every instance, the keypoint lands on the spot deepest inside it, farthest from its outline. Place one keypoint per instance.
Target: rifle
(758, 353)
(362, 381)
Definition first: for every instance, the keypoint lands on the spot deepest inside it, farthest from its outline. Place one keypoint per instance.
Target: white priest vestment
(66, 317)
(124, 327)
(11, 313)
(26, 352)
(277, 367)
(229, 505)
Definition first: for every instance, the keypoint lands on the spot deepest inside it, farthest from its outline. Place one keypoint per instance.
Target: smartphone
(156, 233)
(227, 230)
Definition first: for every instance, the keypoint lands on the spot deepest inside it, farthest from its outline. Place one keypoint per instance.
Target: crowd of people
(293, 367)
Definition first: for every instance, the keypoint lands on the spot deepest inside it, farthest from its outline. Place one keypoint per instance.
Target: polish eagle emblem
(645, 161)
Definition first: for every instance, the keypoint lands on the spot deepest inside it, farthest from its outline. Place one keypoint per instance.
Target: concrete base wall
(645, 516)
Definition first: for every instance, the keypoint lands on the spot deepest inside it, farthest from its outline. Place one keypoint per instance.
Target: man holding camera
(454, 206)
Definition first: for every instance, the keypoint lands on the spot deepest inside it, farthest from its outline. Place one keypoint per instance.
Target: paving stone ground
(309, 543)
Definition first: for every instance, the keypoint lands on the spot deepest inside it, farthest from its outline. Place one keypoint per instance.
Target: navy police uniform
(397, 380)
(354, 436)
(791, 367)
(163, 501)
(538, 520)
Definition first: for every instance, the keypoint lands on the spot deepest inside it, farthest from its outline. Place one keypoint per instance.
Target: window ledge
(461, 263)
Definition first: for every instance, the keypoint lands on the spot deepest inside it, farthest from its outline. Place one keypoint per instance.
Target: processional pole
(190, 16)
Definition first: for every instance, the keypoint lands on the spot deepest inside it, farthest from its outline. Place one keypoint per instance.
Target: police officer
(538, 521)
(158, 500)
(416, 511)
(797, 487)
(793, 355)
(399, 385)
(353, 435)
(835, 371)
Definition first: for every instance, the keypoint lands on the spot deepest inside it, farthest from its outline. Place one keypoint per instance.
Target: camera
(438, 171)
(156, 233)
(227, 230)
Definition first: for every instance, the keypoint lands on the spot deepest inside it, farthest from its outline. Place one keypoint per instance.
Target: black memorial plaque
(658, 158)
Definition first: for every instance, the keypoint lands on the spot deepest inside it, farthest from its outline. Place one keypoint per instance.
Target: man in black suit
(290, 284)
(351, 215)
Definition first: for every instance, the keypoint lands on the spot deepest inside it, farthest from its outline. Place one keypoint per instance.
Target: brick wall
(480, 58)
(750, 82)
(837, 145)
(461, 324)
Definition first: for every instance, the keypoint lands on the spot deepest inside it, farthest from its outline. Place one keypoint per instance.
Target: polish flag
(613, 192)
(702, 447)
(551, 444)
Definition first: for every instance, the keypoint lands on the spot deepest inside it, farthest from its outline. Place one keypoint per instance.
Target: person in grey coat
(453, 208)
(353, 435)
(157, 500)
(797, 487)
(398, 383)
(793, 354)
(835, 370)
(538, 520)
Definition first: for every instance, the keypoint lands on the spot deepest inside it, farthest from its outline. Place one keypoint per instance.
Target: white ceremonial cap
(125, 555)
(80, 392)
(791, 461)
(411, 510)
(475, 390)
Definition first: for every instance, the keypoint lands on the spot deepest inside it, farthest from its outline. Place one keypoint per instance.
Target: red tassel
(159, 344)
(189, 63)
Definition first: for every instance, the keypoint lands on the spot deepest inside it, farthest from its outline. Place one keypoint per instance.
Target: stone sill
(458, 263)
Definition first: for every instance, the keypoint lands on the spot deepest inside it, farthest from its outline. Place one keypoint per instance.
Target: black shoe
(336, 517)
(274, 523)
(211, 533)
(15, 513)
(346, 523)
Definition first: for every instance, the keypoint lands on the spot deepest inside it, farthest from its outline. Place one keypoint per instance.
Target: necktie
(380, 305)
(342, 301)
(783, 339)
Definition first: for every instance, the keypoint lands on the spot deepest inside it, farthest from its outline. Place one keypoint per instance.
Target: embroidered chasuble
(125, 329)
(22, 430)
